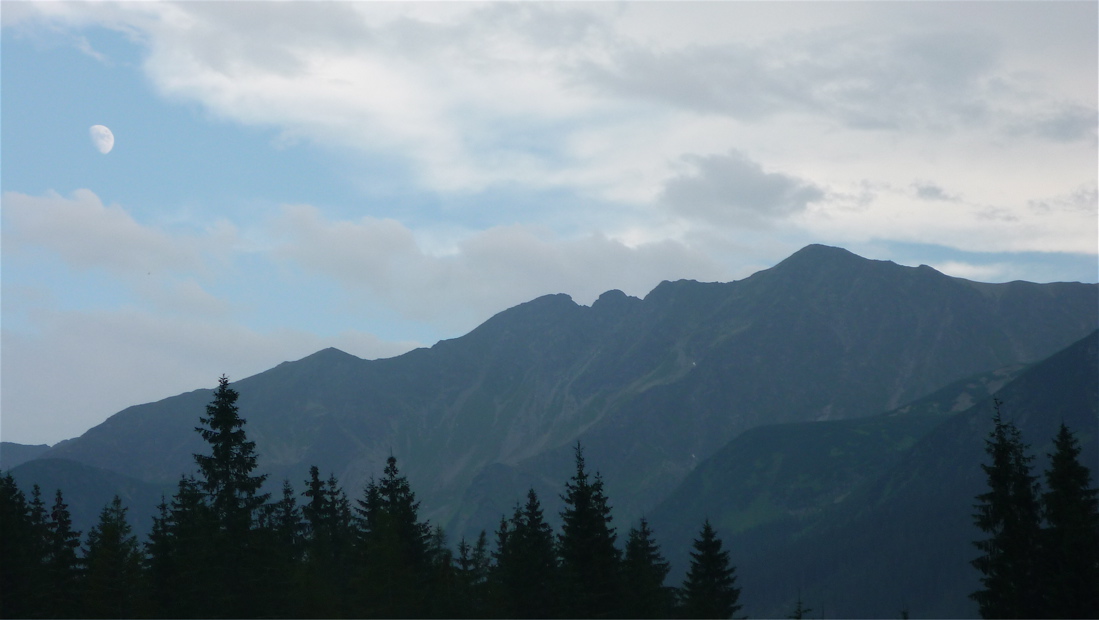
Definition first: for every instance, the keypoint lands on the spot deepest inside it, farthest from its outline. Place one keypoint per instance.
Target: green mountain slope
(794, 471)
(865, 518)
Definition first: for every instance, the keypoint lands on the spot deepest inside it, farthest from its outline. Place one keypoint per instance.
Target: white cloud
(899, 215)
(476, 95)
(734, 190)
(487, 271)
(980, 273)
(109, 360)
(91, 235)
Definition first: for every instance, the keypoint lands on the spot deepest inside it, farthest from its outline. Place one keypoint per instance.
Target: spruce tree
(1009, 514)
(279, 548)
(442, 577)
(61, 563)
(21, 545)
(710, 589)
(1070, 572)
(527, 564)
(473, 565)
(184, 561)
(393, 548)
(329, 538)
(235, 503)
(644, 571)
(112, 564)
(227, 472)
(590, 562)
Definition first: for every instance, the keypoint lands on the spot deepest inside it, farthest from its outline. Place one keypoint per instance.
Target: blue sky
(377, 177)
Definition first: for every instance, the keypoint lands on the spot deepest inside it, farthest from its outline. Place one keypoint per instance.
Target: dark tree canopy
(112, 564)
(227, 472)
(644, 571)
(1071, 537)
(710, 589)
(21, 552)
(526, 563)
(393, 548)
(1009, 514)
(61, 563)
(590, 562)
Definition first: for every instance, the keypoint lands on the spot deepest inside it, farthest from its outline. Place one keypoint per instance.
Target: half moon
(102, 138)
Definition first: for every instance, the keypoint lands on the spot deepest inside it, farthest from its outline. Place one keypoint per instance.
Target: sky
(376, 177)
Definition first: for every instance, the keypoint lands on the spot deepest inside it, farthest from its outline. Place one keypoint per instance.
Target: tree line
(1041, 555)
(219, 548)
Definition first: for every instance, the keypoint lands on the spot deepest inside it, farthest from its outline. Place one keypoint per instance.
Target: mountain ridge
(651, 386)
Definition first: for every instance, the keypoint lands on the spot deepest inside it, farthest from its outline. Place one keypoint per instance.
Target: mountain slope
(87, 490)
(12, 454)
(773, 480)
(650, 386)
(903, 541)
(823, 335)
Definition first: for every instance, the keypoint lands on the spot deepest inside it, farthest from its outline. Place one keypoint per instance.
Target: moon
(102, 138)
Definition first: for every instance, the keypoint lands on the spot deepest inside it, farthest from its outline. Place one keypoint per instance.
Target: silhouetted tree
(182, 557)
(329, 540)
(22, 544)
(61, 563)
(227, 472)
(393, 577)
(473, 565)
(235, 502)
(443, 583)
(526, 564)
(1070, 573)
(590, 562)
(644, 571)
(710, 589)
(1009, 514)
(112, 564)
(279, 546)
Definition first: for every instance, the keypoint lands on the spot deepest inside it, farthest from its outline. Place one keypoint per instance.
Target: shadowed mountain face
(12, 454)
(651, 387)
(869, 517)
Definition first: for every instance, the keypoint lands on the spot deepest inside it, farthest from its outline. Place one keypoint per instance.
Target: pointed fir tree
(278, 542)
(61, 563)
(473, 565)
(644, 571)
(393, 546)
(710, 589)
(442, 577)
(329, 538)
(183, 558)
(590, 562)
(1009, 514)
(21, 551)
(1070, 572)
(527, 564)
(235, 502)
(112, 565)
(284, 520)
(227, 472)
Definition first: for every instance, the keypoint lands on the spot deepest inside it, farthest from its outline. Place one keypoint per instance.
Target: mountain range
(778, 406)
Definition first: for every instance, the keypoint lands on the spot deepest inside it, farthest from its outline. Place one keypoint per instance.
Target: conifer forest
(219, 547)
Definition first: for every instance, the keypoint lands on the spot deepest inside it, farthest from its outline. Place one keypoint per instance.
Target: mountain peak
(330, 353)
(818, 252)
